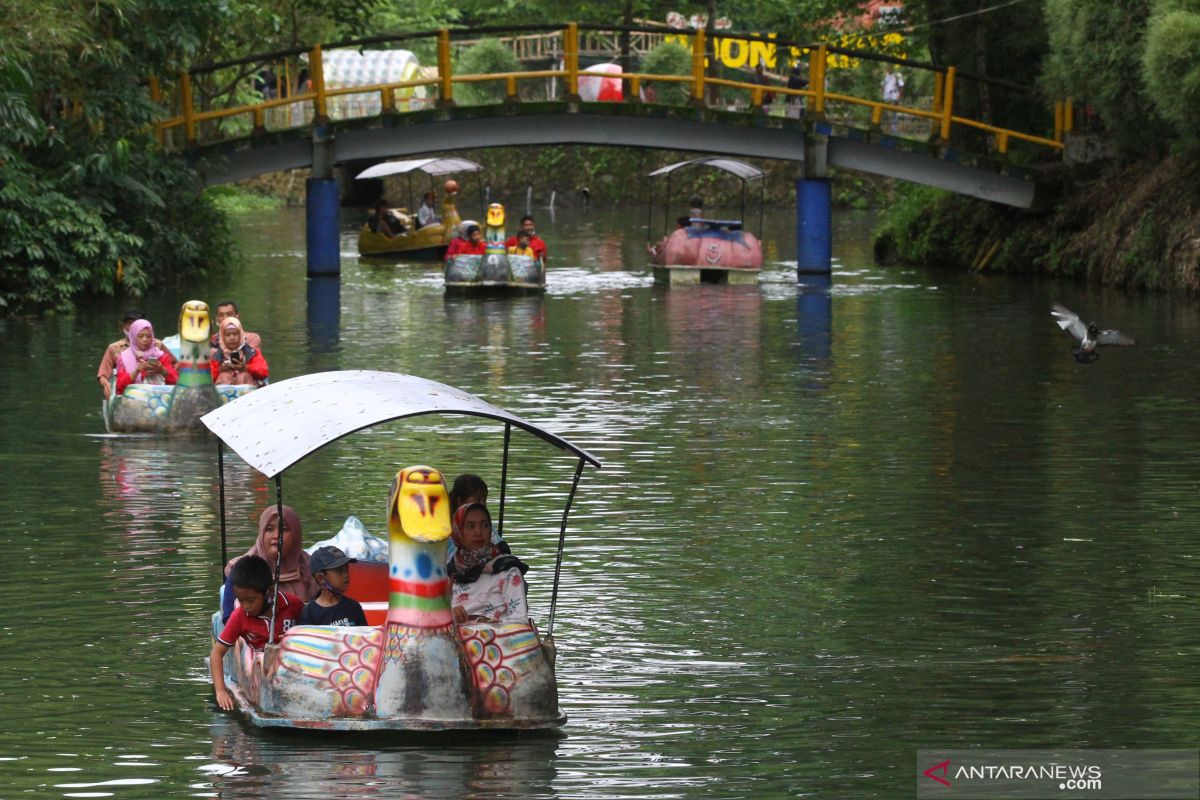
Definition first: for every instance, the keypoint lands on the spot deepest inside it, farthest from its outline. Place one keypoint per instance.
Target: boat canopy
(276, 426)
(741, 169)
(430, 166)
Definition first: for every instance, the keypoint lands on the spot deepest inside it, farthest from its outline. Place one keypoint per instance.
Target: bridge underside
(603, 124)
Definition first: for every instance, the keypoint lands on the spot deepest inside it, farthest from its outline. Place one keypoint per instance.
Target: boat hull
(692, 255)
(151, 408)
(499, 273)
(427, 244)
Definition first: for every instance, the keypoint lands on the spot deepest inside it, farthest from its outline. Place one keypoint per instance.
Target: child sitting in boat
(487, 580)
(144, 361)
(235, 361)
(522, 248)
(331, 568)
(468, 243)
(252, 582)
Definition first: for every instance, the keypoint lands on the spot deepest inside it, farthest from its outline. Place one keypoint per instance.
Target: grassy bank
(1134, 225)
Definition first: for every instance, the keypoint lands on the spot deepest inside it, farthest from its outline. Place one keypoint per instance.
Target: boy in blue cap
(331, 567)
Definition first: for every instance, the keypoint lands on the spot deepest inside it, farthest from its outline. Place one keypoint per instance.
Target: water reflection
(324, 311)
(814, 318)
(250, 764)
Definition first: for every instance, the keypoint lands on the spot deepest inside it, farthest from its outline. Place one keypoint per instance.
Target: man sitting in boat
(385, 221)
(144, 360)
(427, 213)
(487, 580)
(535, 241)
(469, 242)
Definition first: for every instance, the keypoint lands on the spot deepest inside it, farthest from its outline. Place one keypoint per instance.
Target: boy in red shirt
(252, 581)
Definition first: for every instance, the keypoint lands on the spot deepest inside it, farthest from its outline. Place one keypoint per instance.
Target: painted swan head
(418, 505)
(194, 321)
(495, 216)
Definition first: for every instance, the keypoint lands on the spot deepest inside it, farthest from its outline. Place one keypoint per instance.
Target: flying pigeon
(1086, 336)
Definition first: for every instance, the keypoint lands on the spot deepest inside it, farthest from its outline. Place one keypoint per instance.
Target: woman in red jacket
(235, 361)
(143, 361)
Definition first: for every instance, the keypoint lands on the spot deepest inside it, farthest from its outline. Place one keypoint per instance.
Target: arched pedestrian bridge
(320, 123)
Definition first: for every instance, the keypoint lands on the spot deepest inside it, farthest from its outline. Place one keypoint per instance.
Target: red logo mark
(944, 768)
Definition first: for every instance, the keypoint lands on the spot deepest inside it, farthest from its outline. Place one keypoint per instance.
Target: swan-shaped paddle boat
(413, 667)
(496, 270)
(427, 243)
(161, 408)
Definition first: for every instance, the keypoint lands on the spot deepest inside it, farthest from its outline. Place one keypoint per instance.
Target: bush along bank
(1133, 225)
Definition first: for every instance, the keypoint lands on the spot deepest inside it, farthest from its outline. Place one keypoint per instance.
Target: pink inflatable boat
(710, 251)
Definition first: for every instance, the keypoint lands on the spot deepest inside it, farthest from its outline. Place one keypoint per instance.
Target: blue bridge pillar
(322, 218)
(814, 227)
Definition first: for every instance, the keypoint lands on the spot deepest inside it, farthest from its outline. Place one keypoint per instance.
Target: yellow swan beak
(193, 321)
(418, 505)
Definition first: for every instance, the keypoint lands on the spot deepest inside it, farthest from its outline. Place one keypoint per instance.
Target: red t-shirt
(254, 629)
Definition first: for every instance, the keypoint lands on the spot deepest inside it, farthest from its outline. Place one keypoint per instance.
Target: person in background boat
(681, 224)
(235, 361)
(250, 581)
(295, 574)
(522, 248)
(108, 362)
(224, 310)
(427, 213)
(385, 222)
(535, 241)
(487, 581)
(331, 567)
(144, 360)
(469, 241)
(696, 211)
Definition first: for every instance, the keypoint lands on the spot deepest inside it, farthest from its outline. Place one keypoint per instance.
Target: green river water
(812, 549)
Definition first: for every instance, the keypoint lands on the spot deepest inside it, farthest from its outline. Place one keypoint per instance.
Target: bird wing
(1069, 321)
(1114, 337)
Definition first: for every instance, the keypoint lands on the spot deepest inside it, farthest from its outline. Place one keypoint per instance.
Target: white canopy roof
(276, 426)
(431, 166)
(741, 169)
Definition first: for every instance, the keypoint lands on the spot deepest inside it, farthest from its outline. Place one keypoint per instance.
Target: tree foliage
(1171, 69)
(1095, 56)
(669, 58)
(488, 57)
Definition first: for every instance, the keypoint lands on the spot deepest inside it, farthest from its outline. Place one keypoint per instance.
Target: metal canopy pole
(742, 213)
(762, 193)
(650, 213)
(221, 494)
(278, 554)
(562, 537)
(410, 205)
(667, 203)
(504, 476)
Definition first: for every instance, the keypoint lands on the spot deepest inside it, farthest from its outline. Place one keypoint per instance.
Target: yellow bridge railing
(821, 102)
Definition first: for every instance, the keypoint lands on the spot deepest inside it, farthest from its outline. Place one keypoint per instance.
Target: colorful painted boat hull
(427, 244)
(494, 272)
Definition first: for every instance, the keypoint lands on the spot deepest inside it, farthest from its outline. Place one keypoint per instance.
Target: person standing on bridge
(893, 93)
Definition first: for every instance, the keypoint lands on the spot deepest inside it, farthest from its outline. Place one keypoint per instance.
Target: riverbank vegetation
(1130, 215)
(89, 205)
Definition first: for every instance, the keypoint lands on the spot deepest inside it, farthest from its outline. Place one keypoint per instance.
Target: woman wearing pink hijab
(295, 575)
(234, 361)
(144, 361)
